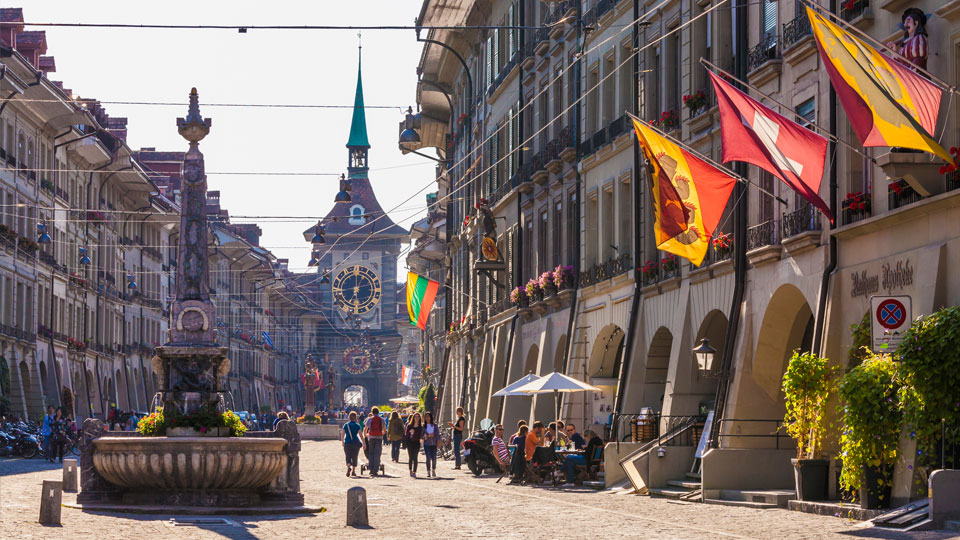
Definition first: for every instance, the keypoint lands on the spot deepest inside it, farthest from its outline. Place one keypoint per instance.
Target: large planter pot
(810, 477)
(877, 487)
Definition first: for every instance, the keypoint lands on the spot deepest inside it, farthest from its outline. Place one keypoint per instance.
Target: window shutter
(769, 18)
(496, 50)
(512, 32)
(510, 144)
(489, 60)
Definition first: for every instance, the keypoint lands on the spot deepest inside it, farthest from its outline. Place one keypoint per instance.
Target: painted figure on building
(311, 382)
(913, 46)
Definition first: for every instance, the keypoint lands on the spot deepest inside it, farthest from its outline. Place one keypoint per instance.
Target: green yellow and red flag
(421, 293)
(888, 104)
(689, 195)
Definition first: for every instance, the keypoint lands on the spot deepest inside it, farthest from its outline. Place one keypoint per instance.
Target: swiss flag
(753, 133)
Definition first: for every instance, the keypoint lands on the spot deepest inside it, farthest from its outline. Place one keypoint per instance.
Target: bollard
(357, 507)
(50, 502)
(70, 475)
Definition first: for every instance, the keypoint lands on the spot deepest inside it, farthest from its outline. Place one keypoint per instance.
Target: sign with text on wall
(890, 318)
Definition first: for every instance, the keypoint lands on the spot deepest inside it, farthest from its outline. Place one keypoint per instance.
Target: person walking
(373, 431)
(351, 435)
(45, 431)
(457, 436)
(411, 438)
(58, 436)
(395, 435)
(431, 434)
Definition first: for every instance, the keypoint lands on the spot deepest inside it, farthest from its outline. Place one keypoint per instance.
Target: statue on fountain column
(311, 382)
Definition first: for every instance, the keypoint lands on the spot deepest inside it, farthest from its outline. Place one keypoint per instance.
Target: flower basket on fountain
(308, 419)
(806, 386)
(204, 422)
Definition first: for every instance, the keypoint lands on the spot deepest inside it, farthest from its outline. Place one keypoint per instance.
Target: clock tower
(357, 267)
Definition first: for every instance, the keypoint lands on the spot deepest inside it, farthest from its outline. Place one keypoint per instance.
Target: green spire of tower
(358, 128)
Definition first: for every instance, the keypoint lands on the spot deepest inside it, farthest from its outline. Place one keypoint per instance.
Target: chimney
(32, 45)
(117, 127)
(12, 19)
(47, 65)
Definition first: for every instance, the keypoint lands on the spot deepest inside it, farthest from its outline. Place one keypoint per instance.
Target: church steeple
(358, 144)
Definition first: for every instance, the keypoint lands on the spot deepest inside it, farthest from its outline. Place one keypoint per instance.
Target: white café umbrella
(556, 383)
(511, 389)
(405, 399)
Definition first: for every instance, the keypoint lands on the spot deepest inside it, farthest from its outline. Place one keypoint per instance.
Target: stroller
(365, 466)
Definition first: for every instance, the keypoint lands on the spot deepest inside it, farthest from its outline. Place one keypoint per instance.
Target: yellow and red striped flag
(888, 104)
(420, 295)
(689, 193)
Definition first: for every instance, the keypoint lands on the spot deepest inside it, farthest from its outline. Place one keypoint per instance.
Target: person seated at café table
(550, 434)
(574, 437)
(500, 448)
(517, 438)
(572, 461)
(531, 440)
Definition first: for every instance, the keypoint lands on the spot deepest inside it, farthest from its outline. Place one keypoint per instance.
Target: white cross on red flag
(753, 133)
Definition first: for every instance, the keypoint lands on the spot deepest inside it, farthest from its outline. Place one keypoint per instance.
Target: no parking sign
(890, 317)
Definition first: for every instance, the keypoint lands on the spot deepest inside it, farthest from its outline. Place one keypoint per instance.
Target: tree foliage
(807, 384)
(872, 417)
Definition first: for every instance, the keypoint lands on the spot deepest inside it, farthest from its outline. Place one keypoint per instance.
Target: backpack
(376, 426)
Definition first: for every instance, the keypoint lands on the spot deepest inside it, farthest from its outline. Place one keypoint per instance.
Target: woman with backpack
(351, 435)
(431, 435)
(411, 438)
(395, 435)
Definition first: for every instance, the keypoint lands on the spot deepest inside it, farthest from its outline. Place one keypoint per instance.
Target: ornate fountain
(183, 471)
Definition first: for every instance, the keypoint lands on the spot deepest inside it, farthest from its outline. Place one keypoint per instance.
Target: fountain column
(191, 365)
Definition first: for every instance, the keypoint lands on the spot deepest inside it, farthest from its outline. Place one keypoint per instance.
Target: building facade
(540, 137)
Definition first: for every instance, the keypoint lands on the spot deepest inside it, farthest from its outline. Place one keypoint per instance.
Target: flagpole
(825, 132)
(882, 47)
(719, 167)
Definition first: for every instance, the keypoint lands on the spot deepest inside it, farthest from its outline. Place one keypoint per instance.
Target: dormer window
(357, 215)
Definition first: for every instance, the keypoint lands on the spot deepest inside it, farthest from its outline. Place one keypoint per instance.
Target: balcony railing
(802, 220)
(764, 234)
(851, 10)
(763, 52)
(900, 193)
(619, 127)
(952, 180)
(855, 207)
(606, 270)
(665, 266)
(796, 30)
(503, 189)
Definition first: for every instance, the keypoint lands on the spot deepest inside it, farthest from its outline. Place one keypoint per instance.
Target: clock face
(356, 289)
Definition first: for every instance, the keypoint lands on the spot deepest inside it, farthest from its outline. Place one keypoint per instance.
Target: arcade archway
(356, 395)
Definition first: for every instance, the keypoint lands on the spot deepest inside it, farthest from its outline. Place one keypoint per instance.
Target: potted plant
(534, 293)
(518, 297)
(806, 387)
(669, 263)
(695, 100)
(649, 271)
(721, 244)
(546, 284)
(563, 277)
(872, 417)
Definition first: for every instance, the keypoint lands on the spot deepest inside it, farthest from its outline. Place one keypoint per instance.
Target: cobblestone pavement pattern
(457, 505)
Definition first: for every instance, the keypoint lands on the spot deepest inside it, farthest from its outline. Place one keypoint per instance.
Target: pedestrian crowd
(534, 451)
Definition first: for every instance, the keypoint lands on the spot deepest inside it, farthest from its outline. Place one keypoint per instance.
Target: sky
(259, 67)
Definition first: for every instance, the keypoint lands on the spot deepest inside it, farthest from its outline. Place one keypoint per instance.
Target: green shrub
(807, 385)
(930, 370)
(872, 417)
(861, 341)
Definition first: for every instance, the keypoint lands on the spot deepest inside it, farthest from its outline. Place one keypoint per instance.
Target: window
(626, 80)
(528, 248)
(592, 106)
(766, 201)
(768, 19)
(608, 218)
(557, 231)
(542, 243)
(609, 89)
(573, 229)
(625, 217)
(590, 233)
(806, 113)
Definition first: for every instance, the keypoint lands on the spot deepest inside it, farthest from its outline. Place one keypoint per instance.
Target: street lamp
(44, 238)
(343, 196)
(705, 355)
(409, 138)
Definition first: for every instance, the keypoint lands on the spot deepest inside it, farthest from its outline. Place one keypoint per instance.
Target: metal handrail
(776, 434)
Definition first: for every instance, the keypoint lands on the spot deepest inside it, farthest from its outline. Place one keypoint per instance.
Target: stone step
(686, 484)
(595, 484)
(743, 504)
(694, 476)
(951, 525)
(771, 496)
(668, 492)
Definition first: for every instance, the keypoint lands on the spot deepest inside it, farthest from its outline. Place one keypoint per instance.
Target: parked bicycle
(445, 448)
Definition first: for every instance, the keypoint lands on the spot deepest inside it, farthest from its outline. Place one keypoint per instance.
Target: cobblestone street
(453, 506)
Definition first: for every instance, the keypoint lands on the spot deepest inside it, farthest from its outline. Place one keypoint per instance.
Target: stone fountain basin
(195, 463)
